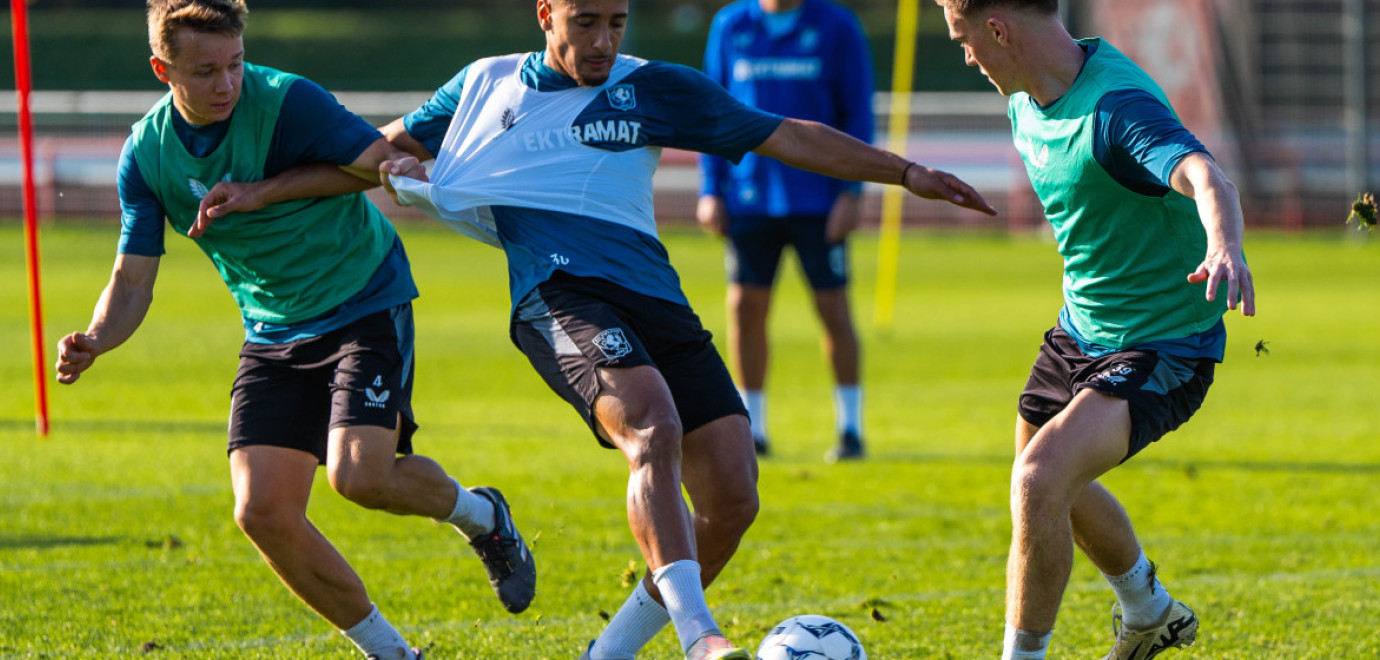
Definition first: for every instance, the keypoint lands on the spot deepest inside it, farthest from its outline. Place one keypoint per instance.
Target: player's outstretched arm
(367, 165)
(310, 180)
(121, 309)
(816, 147)
(1219, 207)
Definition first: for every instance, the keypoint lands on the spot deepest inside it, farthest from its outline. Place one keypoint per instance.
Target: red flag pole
(19, 13)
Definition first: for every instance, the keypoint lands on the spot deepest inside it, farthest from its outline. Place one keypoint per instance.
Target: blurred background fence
(1282, 91)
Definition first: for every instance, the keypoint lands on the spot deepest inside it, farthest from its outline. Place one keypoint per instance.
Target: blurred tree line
(357, 45)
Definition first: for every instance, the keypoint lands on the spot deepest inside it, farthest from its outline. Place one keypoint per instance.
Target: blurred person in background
(1150, 231)
(806, 59)
(324, 289)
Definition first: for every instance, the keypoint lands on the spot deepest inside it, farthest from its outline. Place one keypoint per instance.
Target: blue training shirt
(810, 63)
(676, 106)
(313, 127)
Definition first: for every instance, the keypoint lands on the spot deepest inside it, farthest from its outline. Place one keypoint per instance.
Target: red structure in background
(19, 14)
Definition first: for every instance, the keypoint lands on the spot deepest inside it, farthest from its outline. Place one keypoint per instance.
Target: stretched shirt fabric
(1127, 248)
(560, 175)
(810, 63)
(294, 268)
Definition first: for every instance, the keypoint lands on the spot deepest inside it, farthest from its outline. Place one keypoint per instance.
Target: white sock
(1023, 644)
(635, 624)
(473, 514)
(848, 408)
(375, 636)
(1143, 599)
(756, 402)
(679, 583)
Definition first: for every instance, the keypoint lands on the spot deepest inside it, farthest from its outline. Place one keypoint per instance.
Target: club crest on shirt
(612, 343)
(199, 189)
(621, 97)
(508, 120)
(1038, 158)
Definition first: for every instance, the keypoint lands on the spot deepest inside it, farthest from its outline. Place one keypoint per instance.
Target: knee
(360, 486)
(749, 304)
(739, 512)
(1037, 491)
(728, 519)
(833, 309)
(731, 509)
(655, 445)
(262, 523)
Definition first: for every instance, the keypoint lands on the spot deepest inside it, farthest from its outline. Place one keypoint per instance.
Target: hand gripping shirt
(1126, 253)
(290, 262)
(560, 175)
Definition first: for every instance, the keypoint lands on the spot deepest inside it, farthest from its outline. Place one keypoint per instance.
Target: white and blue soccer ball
(811, 637)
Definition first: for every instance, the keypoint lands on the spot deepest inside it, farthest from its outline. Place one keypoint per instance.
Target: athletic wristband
(905, 172)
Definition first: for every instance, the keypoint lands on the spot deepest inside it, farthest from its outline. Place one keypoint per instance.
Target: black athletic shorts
(569, 327)
(1162, 390)
(755, 243)
(292, 394)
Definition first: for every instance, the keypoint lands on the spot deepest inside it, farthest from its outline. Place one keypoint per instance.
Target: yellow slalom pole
(898, 133)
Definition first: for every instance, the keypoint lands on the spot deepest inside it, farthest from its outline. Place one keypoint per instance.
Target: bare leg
(1051, 473)
(720, 474)
(363, 466)
(747, 333)
(1101, 528)
(840, 340)
(636, 414)
(272, 485)
(1103, 531)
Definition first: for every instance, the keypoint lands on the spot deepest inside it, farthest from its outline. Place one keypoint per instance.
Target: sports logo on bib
(199, 189)
(621, 97)
(1037, 158)
(376, 399)
(1116, 374)
(612, 343)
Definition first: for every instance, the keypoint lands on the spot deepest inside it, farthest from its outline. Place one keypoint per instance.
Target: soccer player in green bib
(324, 290)
(1150, 233)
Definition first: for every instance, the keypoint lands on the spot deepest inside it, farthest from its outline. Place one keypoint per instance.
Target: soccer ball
(811, 637)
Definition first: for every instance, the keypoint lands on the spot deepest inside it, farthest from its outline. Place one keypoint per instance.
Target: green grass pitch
(116, 536)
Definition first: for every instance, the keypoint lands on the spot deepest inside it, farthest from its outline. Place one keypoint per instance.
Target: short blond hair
(166, 17)
(965, 7)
